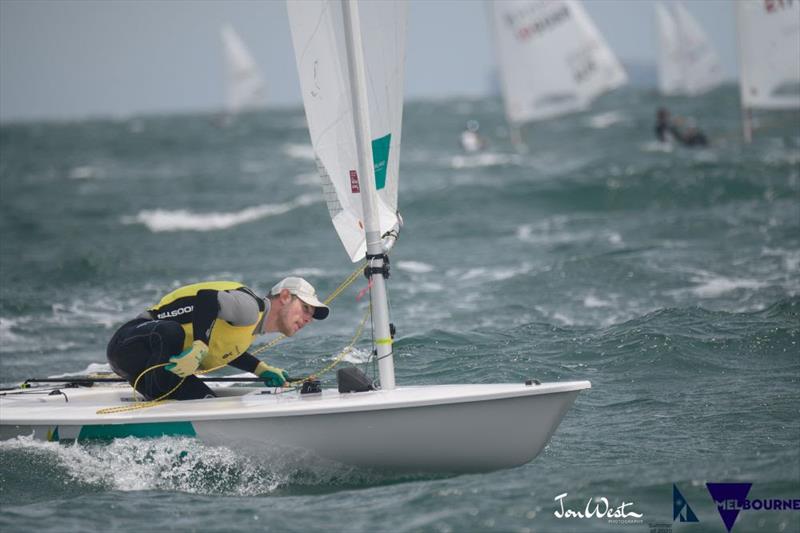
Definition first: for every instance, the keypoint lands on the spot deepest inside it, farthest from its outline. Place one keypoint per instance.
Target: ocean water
(668, 277)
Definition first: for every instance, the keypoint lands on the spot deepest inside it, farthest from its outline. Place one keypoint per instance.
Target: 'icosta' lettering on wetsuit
(176, 312)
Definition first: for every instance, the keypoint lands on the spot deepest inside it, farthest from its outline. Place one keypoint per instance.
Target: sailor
(471, 140)
(205, 326)
(668, 130)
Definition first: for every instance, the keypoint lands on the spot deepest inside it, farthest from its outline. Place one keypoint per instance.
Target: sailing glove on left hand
(186, 363)
(272, 376)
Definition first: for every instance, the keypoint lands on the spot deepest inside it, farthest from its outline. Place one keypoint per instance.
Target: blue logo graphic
(729, 498)
(680, 507)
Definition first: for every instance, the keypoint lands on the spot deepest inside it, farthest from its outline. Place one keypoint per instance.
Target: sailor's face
(294, 315)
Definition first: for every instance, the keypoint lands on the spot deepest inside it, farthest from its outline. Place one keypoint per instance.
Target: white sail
(552, 58)
(244, 81)
(670, 73)
(687, 62)
(769, 54)
(318, 37)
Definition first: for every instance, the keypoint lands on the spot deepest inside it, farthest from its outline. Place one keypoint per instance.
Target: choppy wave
(183, 220)
(606, 119)
(179, 464)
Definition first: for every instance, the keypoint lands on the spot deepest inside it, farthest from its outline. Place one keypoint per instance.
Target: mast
(366, 179)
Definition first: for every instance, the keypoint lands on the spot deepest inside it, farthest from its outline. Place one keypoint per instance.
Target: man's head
(293, 304)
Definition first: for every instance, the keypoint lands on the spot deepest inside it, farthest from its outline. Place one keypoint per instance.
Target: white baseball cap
(303, 290)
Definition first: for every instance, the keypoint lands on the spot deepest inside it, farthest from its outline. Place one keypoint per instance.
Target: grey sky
(65, 58)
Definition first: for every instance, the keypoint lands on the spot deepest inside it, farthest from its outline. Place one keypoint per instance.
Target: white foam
(564, 319)
(415, 267)
(657, 146)
(92, 368)
(553, 232)
(712, 288)
(490, 274)
(167, 463)
(604, 120)
(159, 220)
(486, 159)
(105, 311)
(305, 272)
(299, 151)
(6, 335)
(425, 287)
(83, 173)
(591, 301)
(355, 356)
(791, 258)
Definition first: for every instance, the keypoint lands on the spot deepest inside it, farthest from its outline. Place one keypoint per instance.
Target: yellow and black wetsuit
(225, 315)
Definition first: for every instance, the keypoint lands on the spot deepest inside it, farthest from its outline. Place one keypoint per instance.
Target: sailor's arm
(241, 309)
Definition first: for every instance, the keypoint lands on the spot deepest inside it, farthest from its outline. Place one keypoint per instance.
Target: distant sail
(245, 86)
(687, 62)
(769, 54)
(318, 37)
(552, 58)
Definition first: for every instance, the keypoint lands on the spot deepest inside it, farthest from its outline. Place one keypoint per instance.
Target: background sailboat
(552, 58)
(688, 64)
(244, 83)
(769, 41)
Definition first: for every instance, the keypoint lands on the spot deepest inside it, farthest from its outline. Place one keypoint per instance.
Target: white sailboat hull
(445, 428)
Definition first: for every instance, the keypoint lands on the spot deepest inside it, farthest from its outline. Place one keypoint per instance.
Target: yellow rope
(161, 399)
(347, 349)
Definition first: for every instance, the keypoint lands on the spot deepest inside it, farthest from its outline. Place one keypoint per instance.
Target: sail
(769, 40)
(687, 62)
(552, 58)
(670, 71)
(318, 38)
(245, 84)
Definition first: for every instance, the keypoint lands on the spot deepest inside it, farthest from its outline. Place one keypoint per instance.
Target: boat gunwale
(246, 406)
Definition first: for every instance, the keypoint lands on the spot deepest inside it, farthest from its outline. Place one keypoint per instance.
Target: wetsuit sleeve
(246, 362)
(206, 309)
(237, 308)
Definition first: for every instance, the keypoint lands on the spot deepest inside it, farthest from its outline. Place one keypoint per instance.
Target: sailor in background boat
(206, 326)
(471, 140)
(669, 129)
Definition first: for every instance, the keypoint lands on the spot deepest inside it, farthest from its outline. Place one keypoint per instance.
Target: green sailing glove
(272, 376)
(186, 363)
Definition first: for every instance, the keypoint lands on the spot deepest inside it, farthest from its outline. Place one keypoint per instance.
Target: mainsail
(687, 62)
(769, 54)
(552, 58)
(244, 82)
(320, 49)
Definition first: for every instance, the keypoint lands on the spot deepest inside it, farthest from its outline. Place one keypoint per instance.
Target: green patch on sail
(154, 429)
(380, 156)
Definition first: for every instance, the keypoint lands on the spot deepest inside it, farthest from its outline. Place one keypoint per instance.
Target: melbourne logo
(599, 508)
(731, 498)
(680, 507)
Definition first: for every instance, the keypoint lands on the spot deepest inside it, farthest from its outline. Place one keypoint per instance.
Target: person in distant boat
(205, 326)
(471, 140)
(668, 130)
